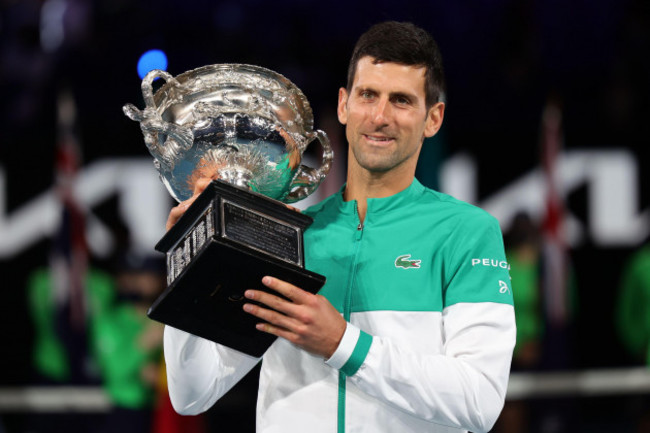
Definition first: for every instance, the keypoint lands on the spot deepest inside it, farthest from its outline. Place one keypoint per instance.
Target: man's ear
(434, 119)
(342, 108)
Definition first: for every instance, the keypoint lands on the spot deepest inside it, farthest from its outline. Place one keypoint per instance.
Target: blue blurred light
(152, 59)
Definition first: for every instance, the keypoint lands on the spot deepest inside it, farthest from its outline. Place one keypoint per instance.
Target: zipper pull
(360, 226)
(359, 233)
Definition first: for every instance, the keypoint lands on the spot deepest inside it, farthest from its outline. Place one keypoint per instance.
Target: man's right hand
(177, 212)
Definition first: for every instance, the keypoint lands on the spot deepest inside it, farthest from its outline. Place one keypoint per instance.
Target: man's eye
(366, 95)
(402, 101)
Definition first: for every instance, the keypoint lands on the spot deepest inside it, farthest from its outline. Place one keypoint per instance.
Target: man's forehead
(371, 71)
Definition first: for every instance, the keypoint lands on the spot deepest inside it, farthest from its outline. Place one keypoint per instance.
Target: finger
(293, 208)
(296, 294)
(277, 331)
(274, 302)
(177, 212)
(270, 316)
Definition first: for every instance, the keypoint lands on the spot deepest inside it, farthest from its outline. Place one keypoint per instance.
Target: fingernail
(267, 280)
(248, 308)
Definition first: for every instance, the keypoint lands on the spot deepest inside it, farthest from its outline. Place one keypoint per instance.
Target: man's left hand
(306, 320)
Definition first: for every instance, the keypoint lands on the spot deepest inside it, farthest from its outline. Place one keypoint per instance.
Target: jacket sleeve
(464, 387)
(199, 371)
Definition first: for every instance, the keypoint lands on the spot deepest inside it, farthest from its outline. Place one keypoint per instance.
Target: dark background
(503, 60)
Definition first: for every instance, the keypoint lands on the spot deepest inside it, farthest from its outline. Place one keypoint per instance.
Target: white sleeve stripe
(346, 347)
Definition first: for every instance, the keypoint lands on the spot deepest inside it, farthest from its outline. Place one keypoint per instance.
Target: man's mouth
(379, 139)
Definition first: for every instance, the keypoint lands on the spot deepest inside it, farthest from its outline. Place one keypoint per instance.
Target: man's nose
(381, 112)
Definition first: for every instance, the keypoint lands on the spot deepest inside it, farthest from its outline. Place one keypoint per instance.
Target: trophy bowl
(244, 128)
(244, 124)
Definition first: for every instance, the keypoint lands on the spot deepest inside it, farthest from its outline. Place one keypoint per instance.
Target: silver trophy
(243, 129)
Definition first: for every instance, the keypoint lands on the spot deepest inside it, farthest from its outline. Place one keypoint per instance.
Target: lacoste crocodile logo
(404, 262)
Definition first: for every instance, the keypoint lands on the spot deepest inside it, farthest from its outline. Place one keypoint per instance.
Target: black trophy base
(206, 298)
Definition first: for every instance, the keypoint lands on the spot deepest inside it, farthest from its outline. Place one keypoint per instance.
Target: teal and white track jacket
(425, 288)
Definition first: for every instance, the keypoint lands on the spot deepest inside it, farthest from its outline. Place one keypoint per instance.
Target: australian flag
(69, 256)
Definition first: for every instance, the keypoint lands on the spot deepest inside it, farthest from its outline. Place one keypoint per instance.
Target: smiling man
(407, 335)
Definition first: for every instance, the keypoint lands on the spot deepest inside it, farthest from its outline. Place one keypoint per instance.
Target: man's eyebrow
(410, 96)
(360, 89)
(402, 94)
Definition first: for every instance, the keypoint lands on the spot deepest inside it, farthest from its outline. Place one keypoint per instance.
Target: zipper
(347, 306)
(357, 237)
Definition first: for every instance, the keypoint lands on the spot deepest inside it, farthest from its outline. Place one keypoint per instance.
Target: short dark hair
(404, 43)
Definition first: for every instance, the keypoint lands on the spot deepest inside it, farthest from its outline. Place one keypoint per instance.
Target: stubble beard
(375, 162)
(379, 160)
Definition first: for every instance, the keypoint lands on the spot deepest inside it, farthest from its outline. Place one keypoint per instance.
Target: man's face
(386, 117)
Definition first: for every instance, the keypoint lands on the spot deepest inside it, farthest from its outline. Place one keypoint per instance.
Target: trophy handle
(307, 178)
(175, 139)
(147, 85)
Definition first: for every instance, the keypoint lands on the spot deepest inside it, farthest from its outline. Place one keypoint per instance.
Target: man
(128, 346)
(632, 317)
(414, 328)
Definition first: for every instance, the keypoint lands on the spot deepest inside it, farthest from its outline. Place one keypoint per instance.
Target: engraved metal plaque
(261, 232)
(190, 245)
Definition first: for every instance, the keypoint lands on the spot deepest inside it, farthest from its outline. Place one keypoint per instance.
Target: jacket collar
(383, 204)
